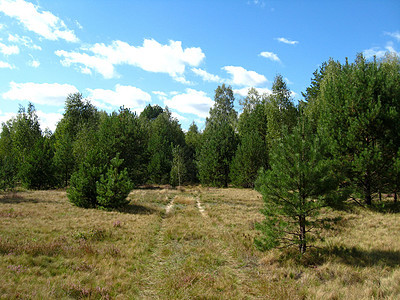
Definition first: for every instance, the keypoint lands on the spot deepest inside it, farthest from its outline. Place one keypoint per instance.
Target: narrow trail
(200, 207)
(180, 245)
(169, 207)
(151, 287)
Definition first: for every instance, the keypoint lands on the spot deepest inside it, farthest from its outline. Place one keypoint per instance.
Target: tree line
(341, 141)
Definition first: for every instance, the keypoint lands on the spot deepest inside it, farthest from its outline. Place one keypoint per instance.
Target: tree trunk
(367, 190)
(302, 236)
(395, 196)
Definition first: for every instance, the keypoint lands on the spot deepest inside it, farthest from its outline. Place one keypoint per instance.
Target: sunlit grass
(50, 249)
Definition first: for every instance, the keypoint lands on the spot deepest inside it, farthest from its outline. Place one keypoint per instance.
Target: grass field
(192, 243)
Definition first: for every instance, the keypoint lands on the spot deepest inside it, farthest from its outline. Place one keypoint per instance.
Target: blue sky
(175, 53)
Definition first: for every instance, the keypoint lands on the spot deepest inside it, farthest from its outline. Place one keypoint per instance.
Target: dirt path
(185, 261)
(200, 207)
(169, 207)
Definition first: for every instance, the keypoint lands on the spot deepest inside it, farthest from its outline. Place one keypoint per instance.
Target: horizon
(176, 53)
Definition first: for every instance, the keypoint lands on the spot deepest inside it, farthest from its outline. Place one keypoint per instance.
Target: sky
(176, 53)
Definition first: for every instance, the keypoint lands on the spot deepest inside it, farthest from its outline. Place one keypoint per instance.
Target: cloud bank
(152, 56)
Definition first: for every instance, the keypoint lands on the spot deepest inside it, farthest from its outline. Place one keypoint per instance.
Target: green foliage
(64, 158)
(251, 153)
(19, 138)
(178, 170)
(280, 111)
(223, 111)
(219, 146)
(165, 133)
(74, 135)
(122, 133)
(193, 145)
(151, 112)
(113, 187)
(83, 190)
(79, 112)
(8, 172)
(250, 156)
(38, 171)
(298, 184)
(219, 140)
(358, 113)
(8, 160)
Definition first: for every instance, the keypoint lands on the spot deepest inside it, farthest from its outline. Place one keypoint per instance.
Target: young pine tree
(298, 184)
(82, 191)
(113, 187)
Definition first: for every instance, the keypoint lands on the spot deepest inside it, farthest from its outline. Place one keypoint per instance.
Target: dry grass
(50, 249)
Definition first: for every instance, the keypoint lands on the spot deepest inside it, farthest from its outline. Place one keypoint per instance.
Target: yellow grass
(50, 249)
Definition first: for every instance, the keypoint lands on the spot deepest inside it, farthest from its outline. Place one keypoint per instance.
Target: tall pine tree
(219, 140)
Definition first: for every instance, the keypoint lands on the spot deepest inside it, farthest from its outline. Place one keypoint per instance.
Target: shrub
(113, 187)
(83, 190)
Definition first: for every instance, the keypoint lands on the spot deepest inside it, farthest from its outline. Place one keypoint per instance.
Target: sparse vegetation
(52, 249)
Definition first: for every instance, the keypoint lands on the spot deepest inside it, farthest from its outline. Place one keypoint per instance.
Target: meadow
(187, 243)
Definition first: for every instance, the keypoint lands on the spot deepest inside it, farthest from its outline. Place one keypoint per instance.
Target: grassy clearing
(51, 249)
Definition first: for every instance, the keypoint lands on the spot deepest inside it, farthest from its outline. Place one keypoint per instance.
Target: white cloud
(182, 79)
(24, 40)
(395, 35)
(159, 93)
(123, 95)
(206, 76)
(4, 117)
(40, 93)
(257, 3)
(379, 52)
(98, 64)
(375, 51)
(34, 63)
(244, 91)
(152, 57)
(286, 41)
(288, 81)
(78, 25)
(8, 50)
(241, 76)
(178, 116)
(5, 65)
(43, 23)
(270, 55)
(48, 120)
(191, 102)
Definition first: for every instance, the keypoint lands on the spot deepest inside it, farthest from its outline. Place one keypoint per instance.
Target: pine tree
(8, 159)
(193, 145)
(280, 111)
(357, 116)
(38, 171)
(83, 190)
(164, 135)
(114, 186)
(120, 132)
(298, 184)
(219, 140)
(251, 154)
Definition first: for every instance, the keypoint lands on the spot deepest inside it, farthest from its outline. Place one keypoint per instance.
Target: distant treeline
(354, 108)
